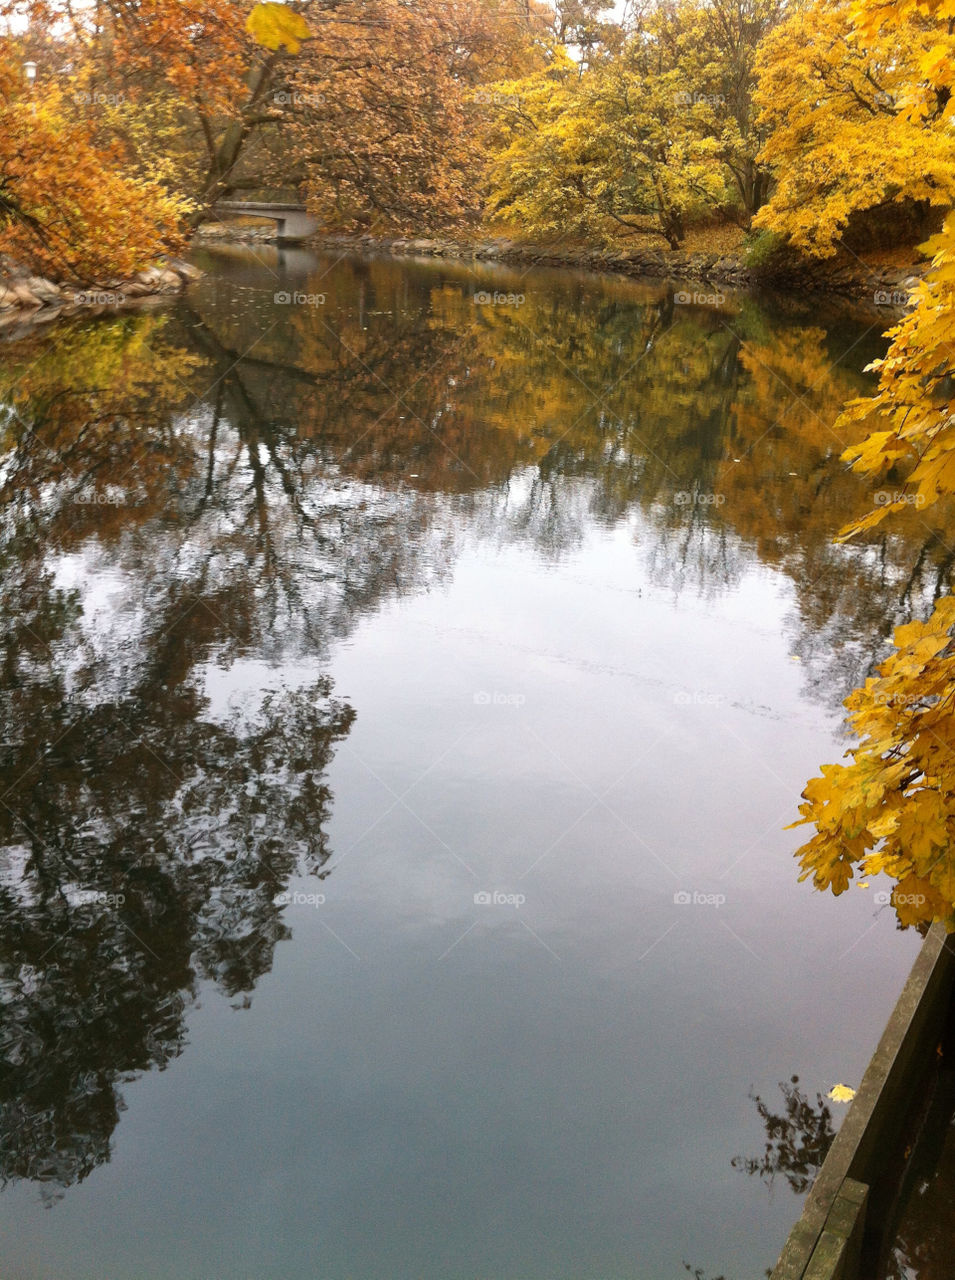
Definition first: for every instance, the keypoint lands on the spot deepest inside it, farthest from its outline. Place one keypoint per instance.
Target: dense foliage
(547, 118)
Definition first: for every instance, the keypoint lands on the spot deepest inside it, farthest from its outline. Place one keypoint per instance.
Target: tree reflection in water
(797, 1139)
(230, 483)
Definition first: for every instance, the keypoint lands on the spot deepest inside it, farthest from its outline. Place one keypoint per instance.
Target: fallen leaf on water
(841, 1093)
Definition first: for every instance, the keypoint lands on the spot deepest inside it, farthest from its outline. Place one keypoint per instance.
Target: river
(409, 671)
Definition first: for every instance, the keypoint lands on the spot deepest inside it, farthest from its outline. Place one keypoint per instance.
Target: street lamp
(29, 70)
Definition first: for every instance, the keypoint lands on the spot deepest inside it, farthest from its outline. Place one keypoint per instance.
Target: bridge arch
(293, 222)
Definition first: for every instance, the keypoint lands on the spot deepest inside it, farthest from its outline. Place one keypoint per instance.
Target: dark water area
(408, 672)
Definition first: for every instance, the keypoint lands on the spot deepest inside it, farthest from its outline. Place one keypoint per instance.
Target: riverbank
(27, 299)
(845, 276)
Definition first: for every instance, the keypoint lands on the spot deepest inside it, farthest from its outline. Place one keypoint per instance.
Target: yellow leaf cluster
(892, 807)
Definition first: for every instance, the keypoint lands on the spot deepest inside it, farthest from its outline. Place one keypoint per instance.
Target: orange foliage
(66, 206)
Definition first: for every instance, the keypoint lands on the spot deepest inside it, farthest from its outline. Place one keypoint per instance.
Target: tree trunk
(229, 149)
(671, 223)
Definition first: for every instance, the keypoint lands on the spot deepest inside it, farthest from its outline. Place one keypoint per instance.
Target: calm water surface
(403, 696)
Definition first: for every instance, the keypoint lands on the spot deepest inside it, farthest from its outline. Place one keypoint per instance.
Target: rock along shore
(27, 299)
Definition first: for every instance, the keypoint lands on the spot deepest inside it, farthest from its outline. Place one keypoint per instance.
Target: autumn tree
(67, 206)
(121, 86)
(365, 107)
(195, 79)
(657, 129)
(892, 807)
(856, 118)
(388, 113)
(714, 46)
(612, 149)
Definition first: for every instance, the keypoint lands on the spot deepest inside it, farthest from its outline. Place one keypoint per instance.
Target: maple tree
(892, 808)
(856, 117)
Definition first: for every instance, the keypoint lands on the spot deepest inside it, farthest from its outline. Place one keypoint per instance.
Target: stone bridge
(293, 222)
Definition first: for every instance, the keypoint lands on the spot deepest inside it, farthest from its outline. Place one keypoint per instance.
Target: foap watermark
(87, 98)
(883, 899)
(286, 98)
(101, 498)
(697, 98)
(889, 498)
(296, 898)
(492, 98)
(684, 898)
(694, 498)
(485, 299)
(497, 898)
(496, 698)
(97, 898)
(285, 299)
(902, 700)
(891, 297)
(697, 698)
(685, 298)
(99, 298)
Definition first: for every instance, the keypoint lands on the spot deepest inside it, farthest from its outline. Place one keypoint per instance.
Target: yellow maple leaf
(884, 824)
(841, 1093)
(273, 25)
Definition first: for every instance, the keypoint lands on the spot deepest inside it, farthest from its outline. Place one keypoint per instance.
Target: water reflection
(233, 484)
(923, 1247)
(798, 1139)
(145, 838)
(587, 402)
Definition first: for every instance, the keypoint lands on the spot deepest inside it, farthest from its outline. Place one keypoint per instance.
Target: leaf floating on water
(841, 1093)
(863, 884)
